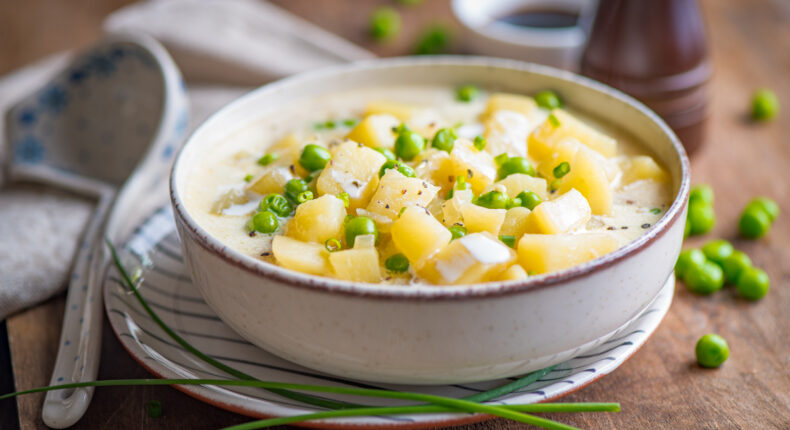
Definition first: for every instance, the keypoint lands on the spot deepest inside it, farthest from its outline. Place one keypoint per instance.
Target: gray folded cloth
(214, 43)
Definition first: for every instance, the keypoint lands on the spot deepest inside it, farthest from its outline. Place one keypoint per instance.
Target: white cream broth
(221, 172)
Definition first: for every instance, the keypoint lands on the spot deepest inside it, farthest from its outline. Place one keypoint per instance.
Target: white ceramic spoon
(86, 131)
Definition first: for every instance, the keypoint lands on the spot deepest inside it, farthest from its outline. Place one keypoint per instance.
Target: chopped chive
(329, 125)
(554, 120)
(508, 240)
(501, 158)
(402, 210)
(304, 196)
(561, 169)
(268, 159)
(154, 408)
(655, 211)
(350, 122)
(333, 245)
(249, 178)
(466, 93)
(346, 199)
(457, 231)
(554, 185)
(480, 143)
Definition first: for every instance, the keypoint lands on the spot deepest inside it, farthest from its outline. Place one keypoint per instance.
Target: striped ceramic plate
(153, 252)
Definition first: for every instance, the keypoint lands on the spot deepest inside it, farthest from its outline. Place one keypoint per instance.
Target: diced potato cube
(565, 213)
(478, 166)
(478, 218)
(396, 191)
(304, 257)
(541, 253)
(451, 209)
(513, 102)
(563, 151)
(507, 131)
(272, 181)
(588, 176)
(512, 273)
(401, 111)
(468, 259)
(354, 169)
(359, 264)
(375, 131)
(287, 149)
(233, 196)
(418, 235)
(318, 220)
(435, 165)
(547, 135)
(516, 222)
(643, 167)
(518, 182)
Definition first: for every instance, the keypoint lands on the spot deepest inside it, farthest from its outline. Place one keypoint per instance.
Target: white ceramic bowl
(559, 47)
(427, 334)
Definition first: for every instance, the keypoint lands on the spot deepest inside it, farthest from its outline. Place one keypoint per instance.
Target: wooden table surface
(661, 386)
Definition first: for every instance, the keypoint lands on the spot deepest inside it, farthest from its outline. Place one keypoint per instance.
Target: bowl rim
(419, 291)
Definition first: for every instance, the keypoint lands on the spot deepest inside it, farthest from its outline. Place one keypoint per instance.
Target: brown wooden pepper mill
(657, 52)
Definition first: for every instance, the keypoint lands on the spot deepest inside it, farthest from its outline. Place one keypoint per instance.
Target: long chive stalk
(329, 404)
(440, 404)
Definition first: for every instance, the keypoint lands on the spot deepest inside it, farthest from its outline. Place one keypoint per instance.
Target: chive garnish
(268, 159)
(435, 403)
(554, 120)
(332, 245)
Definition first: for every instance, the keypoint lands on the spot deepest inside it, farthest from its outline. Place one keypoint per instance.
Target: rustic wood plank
(661, 386)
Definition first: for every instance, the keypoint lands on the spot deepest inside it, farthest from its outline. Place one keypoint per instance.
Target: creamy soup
(414, 185)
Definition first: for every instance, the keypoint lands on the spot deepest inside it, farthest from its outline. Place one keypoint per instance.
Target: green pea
(561, 169)
(769, 206)
(712, 350)
(457, 231)
(399, 166)
(548, 99)
(754, 223)
(264, 222)
(434, 40)
(508, 240)
(294, 187)
(314, 157)
(408, 145)
(515, 165)
(753, 283)
(529, 199)
(765, 105)
(512, 203)
(701, 192)
(492, 200)
(701, 217)
(687, 259)
(268, 159)
(717, 250)
(480, 143)
(385, 23)
(398, 263)
(706, 278)
(154, 408)
(467, 93)
(277, 204)
(386, 153)
(360, 226)
(444, 139)
(249, 177)
(734, 264)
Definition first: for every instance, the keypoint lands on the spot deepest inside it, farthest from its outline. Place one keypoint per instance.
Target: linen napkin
(223, 48)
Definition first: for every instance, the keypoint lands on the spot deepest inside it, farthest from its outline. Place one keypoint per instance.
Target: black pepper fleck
(470, 173)
(629, 202)
(387, 206)
(610, 228)
(265, 254)
(293, 168)
(252, 234)
(646, 225)
(625, 227)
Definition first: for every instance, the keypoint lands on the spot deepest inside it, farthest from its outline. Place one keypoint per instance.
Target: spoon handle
(80, 337)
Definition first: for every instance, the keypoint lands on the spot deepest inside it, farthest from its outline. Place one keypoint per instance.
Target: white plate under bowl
(154, 249)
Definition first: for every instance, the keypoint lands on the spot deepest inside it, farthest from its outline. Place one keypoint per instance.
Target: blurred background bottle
(657, 52)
